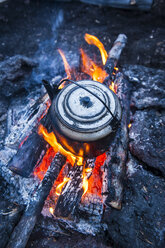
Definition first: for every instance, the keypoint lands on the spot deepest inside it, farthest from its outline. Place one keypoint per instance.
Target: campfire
(71, 155)
(99, 74)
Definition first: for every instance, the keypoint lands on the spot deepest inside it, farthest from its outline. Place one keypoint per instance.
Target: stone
(147, 140)
(3, 116)
(148, 86)
(12, 71)
(141, 221)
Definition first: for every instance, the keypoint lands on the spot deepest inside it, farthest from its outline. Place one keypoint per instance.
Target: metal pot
(85, 116)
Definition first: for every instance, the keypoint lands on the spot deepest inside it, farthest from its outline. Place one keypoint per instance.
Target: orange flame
(52, 140)
(90, 68)
(93, 40)
(67, 67)
(61, 185)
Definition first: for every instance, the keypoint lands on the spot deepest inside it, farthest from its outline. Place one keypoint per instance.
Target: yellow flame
(61, 185)
(93, 40)
(52, 140)
(87, 170)
(113, 87)
(51, 210)
(129, 125)
(85, 184)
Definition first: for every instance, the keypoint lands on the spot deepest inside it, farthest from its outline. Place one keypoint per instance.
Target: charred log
(10, 214)
(24, 228)
(30, 152)
(115, 52)
(72, 192)
(117, 155)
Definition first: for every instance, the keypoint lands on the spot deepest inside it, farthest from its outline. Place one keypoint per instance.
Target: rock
(148, 86)
(3, 116)
(141, 221)
(12, 71)
(147, 140)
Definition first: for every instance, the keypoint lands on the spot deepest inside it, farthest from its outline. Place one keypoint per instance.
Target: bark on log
(115, 52)
(117, 155)
(24, 228)
(72, 192)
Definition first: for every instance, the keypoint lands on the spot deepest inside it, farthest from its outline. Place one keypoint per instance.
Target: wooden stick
(117, 155)
(115, 52)
(24, 228)
(72, 192)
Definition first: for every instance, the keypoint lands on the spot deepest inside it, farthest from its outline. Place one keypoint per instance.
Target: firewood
(117, 154)
(115, 52)
(30, 152)
(24, 228)
(73, 190)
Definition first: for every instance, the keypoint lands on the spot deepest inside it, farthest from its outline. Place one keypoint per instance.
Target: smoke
(47, 56)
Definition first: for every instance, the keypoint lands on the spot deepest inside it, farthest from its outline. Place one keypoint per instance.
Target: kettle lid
(83, 116)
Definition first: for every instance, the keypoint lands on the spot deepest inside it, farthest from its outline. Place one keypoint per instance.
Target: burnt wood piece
(117, 155)
(115, 52)
(105, 177)
(10, 214)
(24, 228)
(73, 190)
(30, 152)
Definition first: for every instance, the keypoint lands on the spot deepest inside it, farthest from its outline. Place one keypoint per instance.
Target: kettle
(84, 116)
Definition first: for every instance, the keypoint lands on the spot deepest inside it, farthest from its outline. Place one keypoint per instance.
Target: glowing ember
(51, 139)
(93, 40)
(61, 185)
(46, 161)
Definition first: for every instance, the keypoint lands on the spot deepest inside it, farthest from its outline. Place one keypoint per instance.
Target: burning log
(73, 190)
(117, 155)
(30, 153)
(24, 228)
(114, 53)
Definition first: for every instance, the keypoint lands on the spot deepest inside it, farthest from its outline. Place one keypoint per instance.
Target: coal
(148, 86)
(12, 71)
(141, 221)
(147, 140)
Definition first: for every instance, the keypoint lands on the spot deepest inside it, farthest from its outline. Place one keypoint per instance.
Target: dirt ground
(24, 27)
